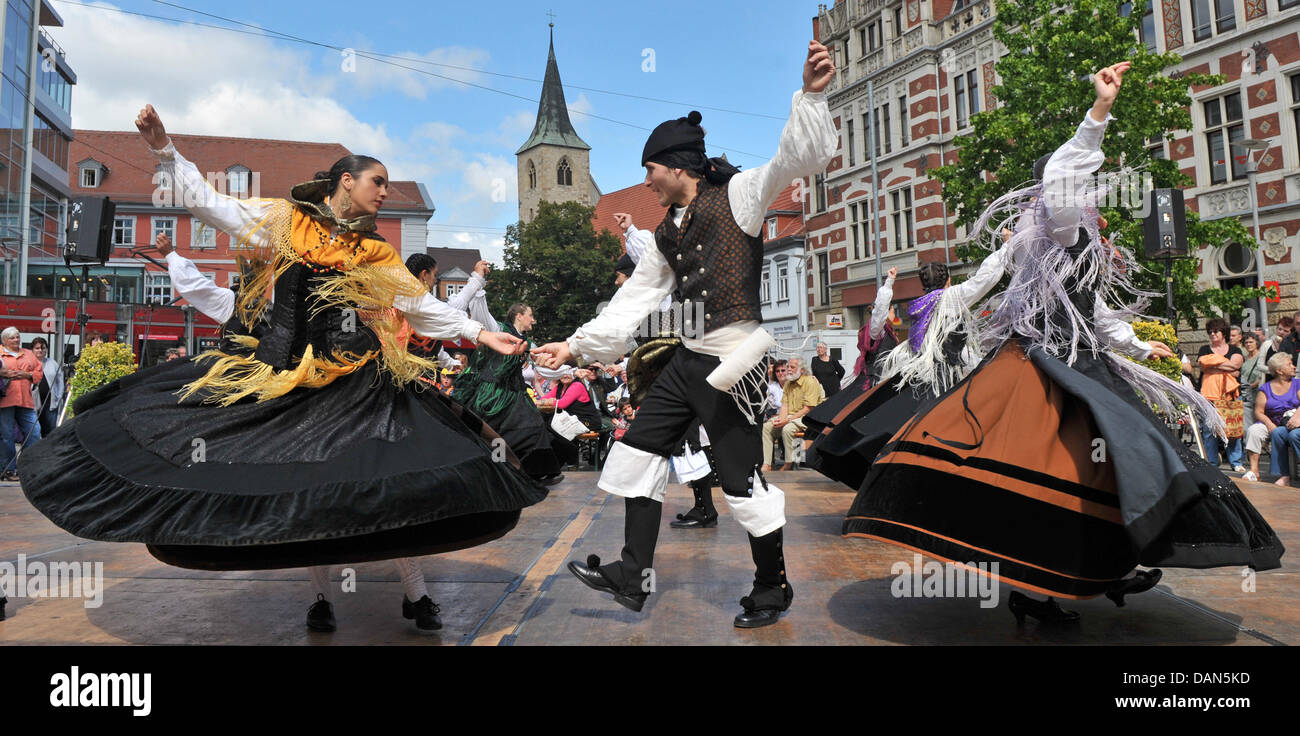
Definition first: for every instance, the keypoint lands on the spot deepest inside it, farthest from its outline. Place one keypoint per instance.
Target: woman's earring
(344, 204)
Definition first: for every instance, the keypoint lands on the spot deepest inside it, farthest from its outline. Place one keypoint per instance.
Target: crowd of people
(970, 439)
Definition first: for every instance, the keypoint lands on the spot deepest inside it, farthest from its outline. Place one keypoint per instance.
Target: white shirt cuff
(470, 330)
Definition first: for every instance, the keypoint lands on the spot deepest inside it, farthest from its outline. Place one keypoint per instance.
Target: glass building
(35, 133)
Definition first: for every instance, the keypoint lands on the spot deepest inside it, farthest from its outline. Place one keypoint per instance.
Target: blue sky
(458, 140)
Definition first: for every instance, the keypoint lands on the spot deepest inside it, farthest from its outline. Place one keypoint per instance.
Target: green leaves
(98, 366)
(1045, 93)
(558, 265)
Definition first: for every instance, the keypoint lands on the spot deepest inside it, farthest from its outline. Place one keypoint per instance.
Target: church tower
(554, 163)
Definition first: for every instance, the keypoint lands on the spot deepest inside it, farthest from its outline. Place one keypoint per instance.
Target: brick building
(119, 165)
(931, 67)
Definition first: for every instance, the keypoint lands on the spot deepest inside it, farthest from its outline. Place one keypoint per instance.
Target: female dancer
(307, 443)
(1046, 459)
(492, 386)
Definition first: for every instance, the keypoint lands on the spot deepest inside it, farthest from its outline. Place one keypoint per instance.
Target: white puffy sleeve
(216, 302)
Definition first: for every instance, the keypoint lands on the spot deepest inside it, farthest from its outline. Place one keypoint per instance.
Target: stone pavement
(516, 591)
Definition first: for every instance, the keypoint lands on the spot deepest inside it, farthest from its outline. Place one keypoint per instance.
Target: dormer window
(237, 180)
(91, 173)
(771, 228)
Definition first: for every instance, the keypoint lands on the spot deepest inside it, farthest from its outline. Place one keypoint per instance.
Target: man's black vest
(713, 260)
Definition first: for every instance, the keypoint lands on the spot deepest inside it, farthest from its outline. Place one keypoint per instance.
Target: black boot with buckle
(772, 592)
(626, 579)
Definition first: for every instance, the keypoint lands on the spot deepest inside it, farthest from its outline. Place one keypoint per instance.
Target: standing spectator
(18, 405)
(1283, 331)
(1290, 343)
(623, 417)
(827, 371)
(51, 388)
(171, 354)
(182, 352)
(1275, 410)
(801, 393)
(1234, 336)
(1253, 372)
(1220, 367)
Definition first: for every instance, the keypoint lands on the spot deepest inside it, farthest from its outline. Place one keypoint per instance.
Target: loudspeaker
(90, 229)
(1164, 230)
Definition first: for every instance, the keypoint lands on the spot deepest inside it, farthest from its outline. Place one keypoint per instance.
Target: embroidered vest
(714, 262)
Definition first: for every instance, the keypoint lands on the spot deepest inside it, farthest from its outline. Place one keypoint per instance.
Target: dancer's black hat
(677, 144)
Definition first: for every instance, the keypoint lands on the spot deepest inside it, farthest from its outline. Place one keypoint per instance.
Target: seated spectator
(1252, 377)
(171, 354)
(1275, 412)
(801, 393)
(445, 384)
(18, 404)
(775, 385)
(571, 394)
(623, 416)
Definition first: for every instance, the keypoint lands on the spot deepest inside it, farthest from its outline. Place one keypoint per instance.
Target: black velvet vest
(292, 326)
(713, 260)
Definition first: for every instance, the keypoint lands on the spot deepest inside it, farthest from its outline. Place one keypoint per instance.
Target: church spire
(553, 126)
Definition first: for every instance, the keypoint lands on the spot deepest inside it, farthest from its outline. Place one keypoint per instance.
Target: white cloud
(211, 82)
(415, 74)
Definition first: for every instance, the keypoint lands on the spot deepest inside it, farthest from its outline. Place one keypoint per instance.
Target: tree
(1045, 93)
(558, 265)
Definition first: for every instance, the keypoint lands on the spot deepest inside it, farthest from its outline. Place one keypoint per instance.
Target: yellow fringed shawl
(369, 276)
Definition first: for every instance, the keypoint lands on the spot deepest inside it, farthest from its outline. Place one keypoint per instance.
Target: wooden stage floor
(515, 591)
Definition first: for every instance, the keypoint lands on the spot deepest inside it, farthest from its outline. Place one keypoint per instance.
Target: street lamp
(1252, 166)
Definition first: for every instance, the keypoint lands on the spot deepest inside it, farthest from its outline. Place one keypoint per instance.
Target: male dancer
(707, 248)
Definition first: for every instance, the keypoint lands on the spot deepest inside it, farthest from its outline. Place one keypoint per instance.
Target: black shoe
(1048, 611)
(696, 518)
(552, 479)
(3, 601)
(764, 606)
(1142, 581)
(424, 611)
(595, 579)
(320, 617)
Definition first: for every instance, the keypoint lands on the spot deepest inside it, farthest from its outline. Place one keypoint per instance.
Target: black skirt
(1061, 475)
(354, 471)
(852, 427)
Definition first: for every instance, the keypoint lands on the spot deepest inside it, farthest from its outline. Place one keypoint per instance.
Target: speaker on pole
(90, 229)
(1164, 230)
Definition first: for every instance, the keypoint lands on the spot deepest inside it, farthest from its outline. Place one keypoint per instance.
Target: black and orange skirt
(1058, 474)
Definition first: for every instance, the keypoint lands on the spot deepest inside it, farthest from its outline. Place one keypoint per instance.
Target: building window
(1222, 127)
(202, 236)
(783, 283)
(162, 180)
(164, 225)
(903, 132)
(902, 206)
(853, 228)
(898, 22)
(1295, 103)
(862, 40)
(563, 174)
(875, 33)
(453, 290)
(532, 175)
(766, 286)
(771, 228)
(851, 144)
(157, 287)
(1147, 34)
(89, 177)
(1156, 147)
(966, 92)
(819, 184)
(824, 278)
(237, 179)
(875, 133)
(124, 231)
(1284, 4)
(1224, 17)
(866, 137)
(884, 116)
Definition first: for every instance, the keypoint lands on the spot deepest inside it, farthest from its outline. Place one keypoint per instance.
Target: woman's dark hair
(353, 164)
(933, 276)
(515, 310)
(43, 343)
(1217, 325)
(1250, 336)
(418, 263)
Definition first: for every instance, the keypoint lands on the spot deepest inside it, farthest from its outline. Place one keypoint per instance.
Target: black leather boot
(3, 601)
(772, 592)
(703, 515)
(1142, 580)
(625, 579)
